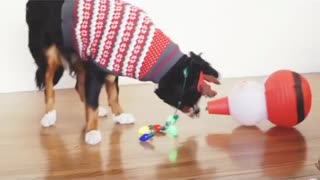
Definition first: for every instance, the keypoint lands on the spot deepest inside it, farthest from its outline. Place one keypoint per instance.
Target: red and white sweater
(119, 37)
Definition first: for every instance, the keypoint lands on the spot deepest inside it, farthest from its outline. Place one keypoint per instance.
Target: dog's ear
(211, 79)
(204, 66)
(193, 55)
(211, 74)
(207, 75)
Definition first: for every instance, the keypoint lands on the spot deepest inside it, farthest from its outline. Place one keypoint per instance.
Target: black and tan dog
(52, 44)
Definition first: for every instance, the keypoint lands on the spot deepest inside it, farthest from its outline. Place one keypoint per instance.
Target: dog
(60, 37)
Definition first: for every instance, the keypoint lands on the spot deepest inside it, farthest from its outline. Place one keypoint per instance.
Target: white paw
(102, 111)
(124, 118)
(93, 137)
(49, 119)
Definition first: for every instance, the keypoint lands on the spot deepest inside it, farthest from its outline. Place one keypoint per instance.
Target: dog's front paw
(93, 137)
(49, 119)
(102, 111)
(124, 118)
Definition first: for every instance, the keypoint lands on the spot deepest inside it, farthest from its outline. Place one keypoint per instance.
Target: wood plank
(211, 147)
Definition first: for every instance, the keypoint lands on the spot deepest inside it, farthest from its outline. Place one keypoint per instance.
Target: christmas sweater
(119, 37)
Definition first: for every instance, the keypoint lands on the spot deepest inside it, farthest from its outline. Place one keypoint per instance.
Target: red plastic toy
(287, 99)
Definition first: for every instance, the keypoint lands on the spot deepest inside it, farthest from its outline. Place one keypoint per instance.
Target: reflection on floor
(210, 147)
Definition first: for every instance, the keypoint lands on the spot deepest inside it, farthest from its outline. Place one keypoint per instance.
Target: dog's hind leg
(53, 63)
(112, 88)
(80, 85)
(80, 88)
(80, 79)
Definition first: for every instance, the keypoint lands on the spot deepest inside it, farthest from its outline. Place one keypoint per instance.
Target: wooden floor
(211, 147)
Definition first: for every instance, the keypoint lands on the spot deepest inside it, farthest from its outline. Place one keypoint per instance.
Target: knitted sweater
(119, 37)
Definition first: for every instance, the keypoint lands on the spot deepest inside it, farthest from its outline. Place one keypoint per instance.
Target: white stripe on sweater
(93, 23)
(132, 44)
(106, 30)
(78, 26)
(145, 50)
(122, 28)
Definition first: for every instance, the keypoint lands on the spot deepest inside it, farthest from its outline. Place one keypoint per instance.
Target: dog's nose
(196, 109)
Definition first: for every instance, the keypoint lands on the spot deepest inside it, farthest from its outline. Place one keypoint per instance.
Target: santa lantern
(284, 99)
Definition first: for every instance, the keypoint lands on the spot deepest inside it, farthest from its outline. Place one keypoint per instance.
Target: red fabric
(112, 35)
(101, 23)
(85, 25)
(158, 45)
(142, 38)
(120, 37)
(125, 40)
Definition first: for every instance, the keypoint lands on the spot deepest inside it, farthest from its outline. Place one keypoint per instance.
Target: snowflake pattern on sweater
(121, 38)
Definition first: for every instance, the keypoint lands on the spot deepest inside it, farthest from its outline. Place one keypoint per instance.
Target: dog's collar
(175, 114)
(185, 75)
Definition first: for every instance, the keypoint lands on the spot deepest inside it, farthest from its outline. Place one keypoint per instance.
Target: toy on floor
(147, 132)
(284, 98)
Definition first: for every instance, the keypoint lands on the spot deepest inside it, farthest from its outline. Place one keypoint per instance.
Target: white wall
(266, 34)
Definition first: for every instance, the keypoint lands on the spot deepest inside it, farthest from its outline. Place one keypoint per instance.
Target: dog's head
(195, 72)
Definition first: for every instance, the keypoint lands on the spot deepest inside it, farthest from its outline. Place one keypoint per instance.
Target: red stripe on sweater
(100, 27)
(85, 25)
(138, 47)
(112, 34)
(126, 39)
